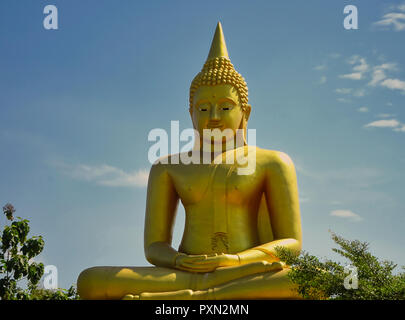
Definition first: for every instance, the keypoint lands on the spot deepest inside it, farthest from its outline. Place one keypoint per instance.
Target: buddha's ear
(190, 110)
(247, 111)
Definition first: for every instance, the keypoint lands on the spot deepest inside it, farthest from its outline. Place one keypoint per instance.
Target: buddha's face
(217, 107)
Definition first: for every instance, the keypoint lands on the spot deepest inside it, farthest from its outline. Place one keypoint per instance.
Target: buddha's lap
(116, 282)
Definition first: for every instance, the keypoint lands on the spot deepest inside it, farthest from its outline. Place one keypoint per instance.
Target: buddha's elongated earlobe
(246, 112)
(246, 115)
(243, 127)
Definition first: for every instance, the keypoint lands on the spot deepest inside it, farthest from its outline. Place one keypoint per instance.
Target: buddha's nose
(214, 115)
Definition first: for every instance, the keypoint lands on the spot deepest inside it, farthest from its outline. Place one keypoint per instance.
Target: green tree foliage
(60, 294)
(16, 254)
(316, 279)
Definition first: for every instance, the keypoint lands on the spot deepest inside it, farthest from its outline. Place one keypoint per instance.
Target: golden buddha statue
(233, 222)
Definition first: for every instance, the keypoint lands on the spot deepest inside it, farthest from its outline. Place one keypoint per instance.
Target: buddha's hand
(205, 263)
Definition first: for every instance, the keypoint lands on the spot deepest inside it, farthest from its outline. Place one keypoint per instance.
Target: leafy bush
(16, 254)
(60, 294)
(315, 279)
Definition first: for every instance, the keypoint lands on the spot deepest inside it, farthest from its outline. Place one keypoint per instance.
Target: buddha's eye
(203, 106)
(226, 107)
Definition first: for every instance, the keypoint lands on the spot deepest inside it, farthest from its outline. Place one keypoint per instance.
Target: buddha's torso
(221, 206)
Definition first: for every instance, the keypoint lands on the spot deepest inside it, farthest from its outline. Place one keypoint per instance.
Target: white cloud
(380, 78)
(352, 76)
(378, 74)
(346, 214)
(394, 19)
(394, 84)
(375, 75)
(356, 93)
(344, 100)
(343, 90)
(385, 115)
(362, 109)
(400, 129)
(360, 67)
(392, 123)
(106, 175)
(320, 67)
(388, 66)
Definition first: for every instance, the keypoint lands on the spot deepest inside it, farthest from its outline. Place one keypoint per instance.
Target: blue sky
(77, 104)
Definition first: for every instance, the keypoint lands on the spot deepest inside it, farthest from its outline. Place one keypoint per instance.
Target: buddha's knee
(92, 283)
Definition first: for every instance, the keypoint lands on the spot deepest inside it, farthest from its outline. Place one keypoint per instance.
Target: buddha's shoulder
(169, 164)
(163, 163)
(273, 158)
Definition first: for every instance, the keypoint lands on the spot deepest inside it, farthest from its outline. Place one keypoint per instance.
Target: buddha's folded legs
(165, 283)
(116, 282)
(267, 285)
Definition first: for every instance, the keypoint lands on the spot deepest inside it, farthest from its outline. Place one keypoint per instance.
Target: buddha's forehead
(216, 92)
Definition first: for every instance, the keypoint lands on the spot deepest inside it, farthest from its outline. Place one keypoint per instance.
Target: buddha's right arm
(161, 207)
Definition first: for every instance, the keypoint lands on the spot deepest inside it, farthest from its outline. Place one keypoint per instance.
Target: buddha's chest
(216, 184)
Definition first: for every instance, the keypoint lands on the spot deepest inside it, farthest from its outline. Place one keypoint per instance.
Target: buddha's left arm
(283, 206)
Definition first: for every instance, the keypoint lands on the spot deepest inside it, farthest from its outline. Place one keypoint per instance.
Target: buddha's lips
(215, 126)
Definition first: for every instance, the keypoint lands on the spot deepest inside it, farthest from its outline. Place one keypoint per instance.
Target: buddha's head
(219, 94)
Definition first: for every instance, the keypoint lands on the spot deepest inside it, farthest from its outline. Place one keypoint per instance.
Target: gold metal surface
(233, 222)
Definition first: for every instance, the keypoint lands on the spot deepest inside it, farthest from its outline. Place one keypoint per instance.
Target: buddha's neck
(215, 148)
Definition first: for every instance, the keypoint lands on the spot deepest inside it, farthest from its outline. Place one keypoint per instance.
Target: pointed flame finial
(218, 45)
